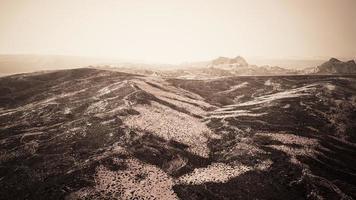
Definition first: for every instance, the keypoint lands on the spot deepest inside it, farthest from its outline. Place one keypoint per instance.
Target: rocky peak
(237, 61)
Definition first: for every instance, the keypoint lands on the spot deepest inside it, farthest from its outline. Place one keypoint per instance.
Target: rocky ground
(96, 134)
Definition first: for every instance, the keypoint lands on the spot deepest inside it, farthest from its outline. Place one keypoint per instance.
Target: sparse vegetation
(96, 134)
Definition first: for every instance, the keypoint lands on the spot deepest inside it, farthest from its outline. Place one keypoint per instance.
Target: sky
(174, 31)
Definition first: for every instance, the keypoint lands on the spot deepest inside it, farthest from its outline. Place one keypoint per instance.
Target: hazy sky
(179, 30)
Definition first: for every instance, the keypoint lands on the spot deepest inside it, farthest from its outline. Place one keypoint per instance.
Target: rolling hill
(98, 134)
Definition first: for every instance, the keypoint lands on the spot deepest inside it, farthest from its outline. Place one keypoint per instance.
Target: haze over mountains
(221, 66)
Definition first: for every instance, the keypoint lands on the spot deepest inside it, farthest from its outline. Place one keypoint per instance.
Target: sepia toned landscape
(100, 134)
(217, 125)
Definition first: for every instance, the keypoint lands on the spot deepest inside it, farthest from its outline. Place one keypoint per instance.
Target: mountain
(232, 62)
(335, 66)
(239, 66)
(100, 134)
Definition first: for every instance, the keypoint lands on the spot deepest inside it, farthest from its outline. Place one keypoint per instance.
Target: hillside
(97, 134)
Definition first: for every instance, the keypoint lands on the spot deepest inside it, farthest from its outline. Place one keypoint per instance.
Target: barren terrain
(97, 134)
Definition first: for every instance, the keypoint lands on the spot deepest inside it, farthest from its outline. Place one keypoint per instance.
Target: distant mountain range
(238, 66)
(219, 67)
